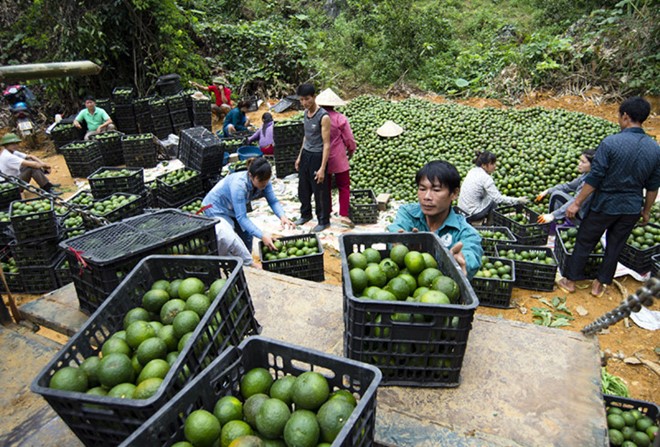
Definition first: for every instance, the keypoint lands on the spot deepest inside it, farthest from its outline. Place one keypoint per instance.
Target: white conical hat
(329, 98)
(389, 129)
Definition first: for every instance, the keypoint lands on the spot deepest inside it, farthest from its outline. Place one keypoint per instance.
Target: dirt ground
(624, 340)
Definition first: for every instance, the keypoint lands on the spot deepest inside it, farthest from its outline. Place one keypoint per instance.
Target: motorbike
(22, 103)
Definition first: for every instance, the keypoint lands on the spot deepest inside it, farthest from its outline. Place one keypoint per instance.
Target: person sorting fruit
(342, 147)
(98, 121)
(624, 165)
(479, 195)
(264, 135)
(312, 160)
(236, 120)
(222, 95)
(26, 167)
(229, 197)
(560, 195)
(438, 184)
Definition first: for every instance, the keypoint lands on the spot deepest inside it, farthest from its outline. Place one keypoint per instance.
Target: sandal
(348, 223)
(561, 286)
(601, 293)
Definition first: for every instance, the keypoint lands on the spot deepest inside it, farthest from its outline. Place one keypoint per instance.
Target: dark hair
(243, 104)
(637, 108)
(440, 171)
(89, 98)
(266, 118)
(306, 90)
(259, 168)
(589, 154)
(485, 158)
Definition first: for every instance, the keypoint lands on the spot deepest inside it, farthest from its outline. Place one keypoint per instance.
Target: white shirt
(10, 164)
(229, 243)
(478, 191)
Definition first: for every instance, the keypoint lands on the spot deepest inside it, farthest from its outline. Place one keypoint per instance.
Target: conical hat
(329, 98)
(389, 129)
(199, 96)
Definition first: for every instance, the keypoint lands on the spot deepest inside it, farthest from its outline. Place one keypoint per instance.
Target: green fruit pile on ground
(133, 362)
(404, 276)
(290, 249)
(630, 428)
(289, 412)
(537, 148)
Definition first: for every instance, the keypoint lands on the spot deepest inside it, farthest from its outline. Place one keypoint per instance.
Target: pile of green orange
(493, 234)
(630, 428)
(134, 361)
(493, 269)
(28, 207)
(403, 276)
(109, 204)
(569, 236)
(290, 249)
(178, 176)
(643, 238)
(290, 411)
(531, 255)
(192, 207)
(83, 199)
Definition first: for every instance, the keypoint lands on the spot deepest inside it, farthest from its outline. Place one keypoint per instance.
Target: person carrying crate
(438, 184)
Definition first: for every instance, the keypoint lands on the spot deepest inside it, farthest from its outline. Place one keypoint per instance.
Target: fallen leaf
(581, 311)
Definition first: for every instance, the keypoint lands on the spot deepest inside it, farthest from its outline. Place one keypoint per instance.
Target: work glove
(523, 200)
(545, 218)
(541, 196)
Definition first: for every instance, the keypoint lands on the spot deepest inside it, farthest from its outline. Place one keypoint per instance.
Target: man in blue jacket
(438, 184)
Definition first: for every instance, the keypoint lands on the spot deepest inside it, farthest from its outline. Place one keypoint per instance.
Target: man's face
(307, 101)
(90, 104)
(11, 147)
(434, 198)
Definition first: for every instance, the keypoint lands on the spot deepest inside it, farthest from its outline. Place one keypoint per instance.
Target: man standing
(222, 95)
(98, 121)
(313, 160)
(624, 165)
(26, 167)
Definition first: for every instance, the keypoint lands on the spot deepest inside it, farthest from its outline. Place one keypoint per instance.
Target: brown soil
(623, 340)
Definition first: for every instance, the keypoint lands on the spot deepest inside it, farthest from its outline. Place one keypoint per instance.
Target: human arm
(649, 200)
(79, 117)
(574, 207)
(199, 86)
(107, 121)
(255, 136)
(468, 251)
(239, 195)
(325, 134)
(36, 164)
(496, 196)
(297, 164)
(348, 138)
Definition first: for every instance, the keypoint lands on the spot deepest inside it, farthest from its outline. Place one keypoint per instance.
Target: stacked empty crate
(82, 157)
(288, 139)
(124, 114)
(140, 150)
(201, 113)
(109, 144)
(35, 249)
(99, 259)
(202, 150)
(176, 104)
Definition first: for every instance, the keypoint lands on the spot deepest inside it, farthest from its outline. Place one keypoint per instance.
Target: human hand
(286, 223)
(545, 218)
(572, 210)
(646, 216)
(523, 200)
(457, 253)
(267, 239)
(297, 164)
(77, 124)
(541, 196)
(319, 176)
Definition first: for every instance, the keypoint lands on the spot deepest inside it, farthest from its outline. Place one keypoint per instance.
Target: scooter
(21, 105)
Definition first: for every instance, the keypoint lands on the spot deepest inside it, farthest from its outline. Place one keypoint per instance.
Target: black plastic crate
(64, 133)
(99, 259)
(176, 103)
(526, 234)
(532, 275)
(144, 123)
(655, 266)
(130, 180)
(139, 150)
(35, 226)
(488, 243)
(637, 259)
(189, 203)
(14, 279)
(288, 134)
(134, 205)
(180, 118)
(103, 421)
(179, 192)
(309, 267)
(84, 169)
(201, 150)
(495, 292)
(39, 279)
(141, 105)
(123, 95)
(363, 213)
(253, 102)
(425, 351)
(285, 159)
(8, 193)
(110, 146)
(222, 378)
(648, 409)
(80, 197)
(124, 114)
(34, 253)
(593, 261)
(62, 272)
(81, 151)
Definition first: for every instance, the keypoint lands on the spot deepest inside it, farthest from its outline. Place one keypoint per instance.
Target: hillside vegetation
(493, 48)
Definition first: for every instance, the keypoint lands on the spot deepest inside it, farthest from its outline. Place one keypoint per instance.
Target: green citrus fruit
(115, 369)
(138, 332)
(332, 417)
(272, 417)
(201, 428)
(190, 286)
(154, 299)
(282, 389)
(310, 390)
(234, 430)
(228, 408)
(69, 379)
(256, 381)
(302, 429)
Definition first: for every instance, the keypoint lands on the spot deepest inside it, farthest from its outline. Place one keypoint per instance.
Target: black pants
(481, 215)
(310, 162)
(593, 226)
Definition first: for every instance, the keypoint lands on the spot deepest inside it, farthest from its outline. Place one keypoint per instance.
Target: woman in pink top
(342, 147)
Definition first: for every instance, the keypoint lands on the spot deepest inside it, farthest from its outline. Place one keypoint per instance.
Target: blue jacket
(454, 229)
(229, 198)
